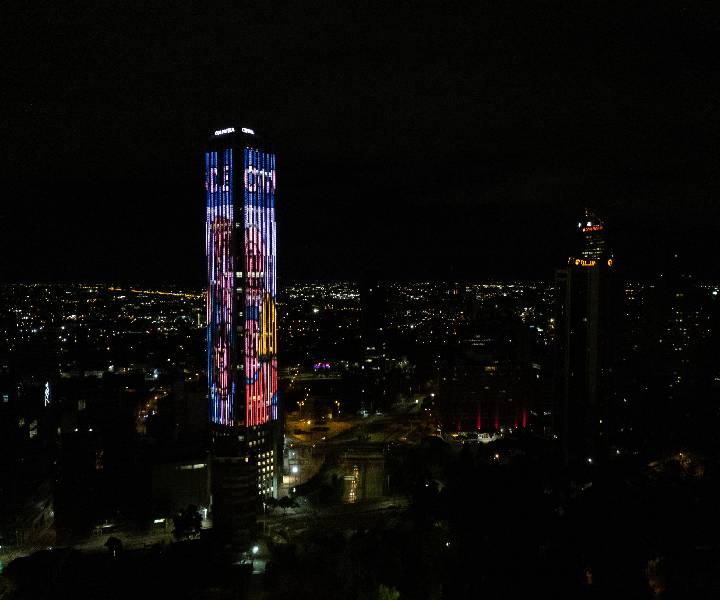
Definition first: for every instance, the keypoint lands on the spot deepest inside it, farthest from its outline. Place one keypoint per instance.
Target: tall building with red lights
(586, 324)
(241, 328)
(593, 234)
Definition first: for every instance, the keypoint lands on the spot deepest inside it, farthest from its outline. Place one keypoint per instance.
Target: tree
(387, 593)
(271, 503)
(114, 545)
(187, 522)
(286, 502)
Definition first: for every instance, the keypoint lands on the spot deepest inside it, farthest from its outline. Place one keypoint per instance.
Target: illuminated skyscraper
(593, 231)
(242, 327)
(586, 324)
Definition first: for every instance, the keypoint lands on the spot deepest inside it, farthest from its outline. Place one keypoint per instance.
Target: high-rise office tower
(585, 328)
(241, 330)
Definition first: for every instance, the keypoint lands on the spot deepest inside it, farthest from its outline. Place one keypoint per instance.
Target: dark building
(241, 331)
(585, 329)
(373, 303)
(488, 382)
(676, 348)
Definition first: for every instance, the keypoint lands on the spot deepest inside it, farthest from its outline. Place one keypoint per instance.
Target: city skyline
(365, 302)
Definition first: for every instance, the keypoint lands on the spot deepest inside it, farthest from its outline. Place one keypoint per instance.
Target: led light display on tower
(241, 251)
(260, 282)
(221, 331)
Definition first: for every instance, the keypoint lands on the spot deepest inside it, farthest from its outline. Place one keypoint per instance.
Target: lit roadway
(147, 409)
(339, 516)
(393, 427)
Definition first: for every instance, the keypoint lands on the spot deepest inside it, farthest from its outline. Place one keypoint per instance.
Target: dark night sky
(420, 140)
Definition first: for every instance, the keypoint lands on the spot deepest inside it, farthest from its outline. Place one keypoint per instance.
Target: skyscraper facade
(241, 324)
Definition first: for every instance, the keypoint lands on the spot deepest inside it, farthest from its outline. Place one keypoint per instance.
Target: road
(336, 517)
